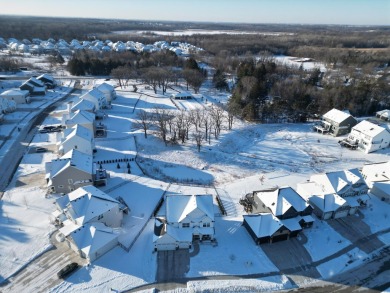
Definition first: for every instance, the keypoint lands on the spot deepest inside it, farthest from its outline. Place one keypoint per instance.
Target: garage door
(166, 246)
(341, 214)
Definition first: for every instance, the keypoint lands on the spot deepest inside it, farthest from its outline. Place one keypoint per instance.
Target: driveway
(41, 274)
(355, 229)
(172, 265)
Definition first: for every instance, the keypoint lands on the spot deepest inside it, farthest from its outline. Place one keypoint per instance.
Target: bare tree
(198, 137)
(217, 114)
(144, 121)
(162, 116)
(194, 78)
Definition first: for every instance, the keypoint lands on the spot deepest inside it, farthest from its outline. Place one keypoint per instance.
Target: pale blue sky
(353, 12)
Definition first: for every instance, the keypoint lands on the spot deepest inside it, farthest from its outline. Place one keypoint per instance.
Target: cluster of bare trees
(174, 127)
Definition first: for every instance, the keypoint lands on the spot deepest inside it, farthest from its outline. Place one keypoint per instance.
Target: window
(60, 186)
(186, 225)
(70, 181)
(100, 217)
(206, 224)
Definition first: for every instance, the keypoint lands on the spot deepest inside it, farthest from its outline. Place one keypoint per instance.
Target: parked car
(40, 150)
(67, 270)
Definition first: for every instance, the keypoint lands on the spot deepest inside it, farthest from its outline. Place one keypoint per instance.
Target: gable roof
(88, 202)
(78, 130)
(83, 105)
(81, 117)
(369, 129)
(14, 92)
(264, 224)
(193, 207)
(280, 200)
(336, 115)
(383, 113)
(328, 202)
(334, 182)
(95, 94)
(90, 238)
(376, 172)
(72, 158)
(105, 87)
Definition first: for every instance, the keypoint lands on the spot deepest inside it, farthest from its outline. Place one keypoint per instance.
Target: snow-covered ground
(247, 158)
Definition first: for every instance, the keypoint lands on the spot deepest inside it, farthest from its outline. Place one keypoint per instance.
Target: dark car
(40, 150)
(67, 270)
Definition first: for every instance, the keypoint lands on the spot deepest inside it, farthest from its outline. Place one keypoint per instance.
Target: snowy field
(249, 157)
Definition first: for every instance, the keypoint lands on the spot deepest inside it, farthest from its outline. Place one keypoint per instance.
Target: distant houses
(383, 115)
(336, 123)
(187, 218)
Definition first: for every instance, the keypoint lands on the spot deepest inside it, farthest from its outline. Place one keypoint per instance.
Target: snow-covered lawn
(268, 284)
(323, 241)
(343, 263)
(235, 254)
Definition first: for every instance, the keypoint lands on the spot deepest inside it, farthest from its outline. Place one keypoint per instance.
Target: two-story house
(187, 218)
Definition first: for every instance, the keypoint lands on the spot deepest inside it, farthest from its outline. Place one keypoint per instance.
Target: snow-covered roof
(280, 200)
(46, 76)
(384, 113)
(15, 92)
(83, 105)
(264, 224)
(336, 115)
(383, 185)
(327, 202)
(91, 238)
(94, 93)
(81, 117)
(80, 131)
(292, 224)
(192, 207)
(87, 203)
(105, 87)
(368, 128)
(334, 182)
(72, 158)
(376, 172)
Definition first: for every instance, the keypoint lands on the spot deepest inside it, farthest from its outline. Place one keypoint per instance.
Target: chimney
(70, 104)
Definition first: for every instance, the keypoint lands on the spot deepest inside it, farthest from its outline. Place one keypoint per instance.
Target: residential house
(17, 95)
(108, 91)
(47, 80)
(336, 123)
(368, 137)
(377, 177)
(88, 217)
(83, 118)
(283, 203)
(96, 97)
(266, 228)
(384, 115)
(83, 105)
(78, 137)
(381, 189)
(34, 86)
(335, 194)
(327, 206)
(73, 170)
(376, 172)
(187, 218)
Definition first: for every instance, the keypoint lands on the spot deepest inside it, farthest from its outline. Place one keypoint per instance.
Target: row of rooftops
(43, 46)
